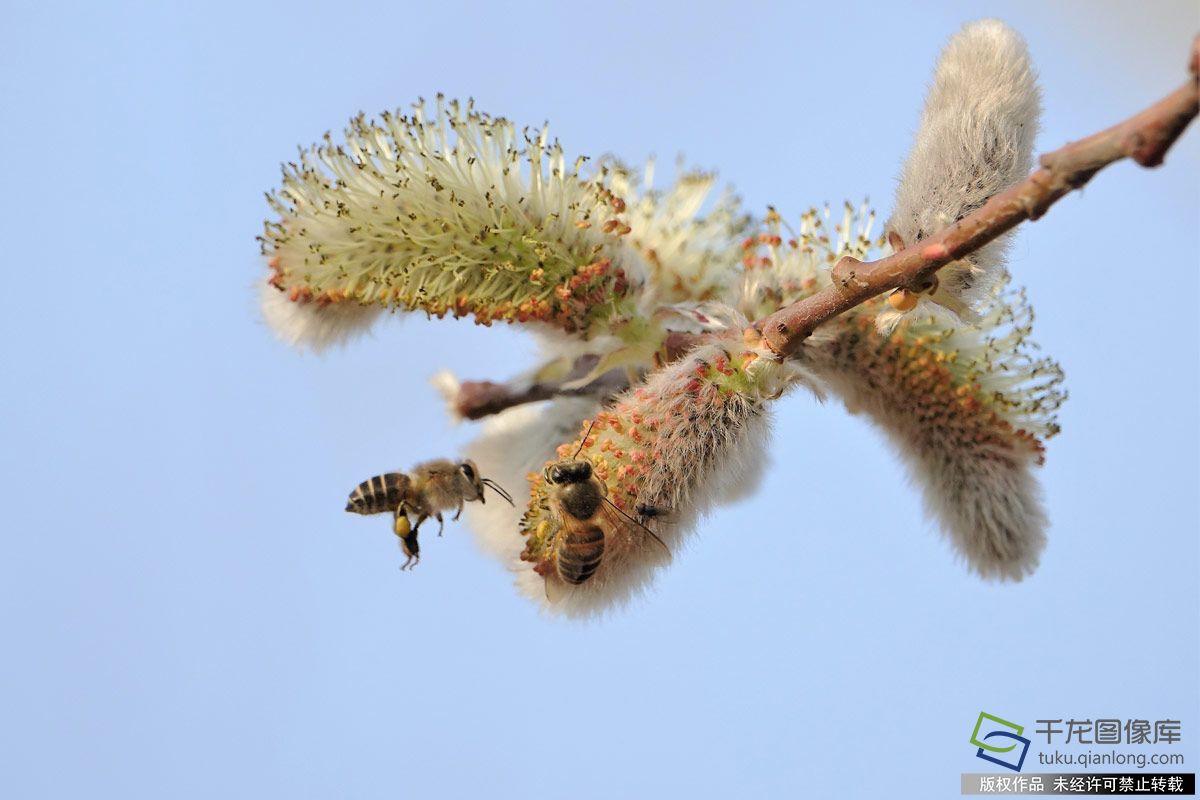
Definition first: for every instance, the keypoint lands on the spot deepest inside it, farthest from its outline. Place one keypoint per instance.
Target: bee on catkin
(588, 520)
(430, 489)
(622, 497)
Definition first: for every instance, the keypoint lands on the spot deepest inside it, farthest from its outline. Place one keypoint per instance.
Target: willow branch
(1145, 138)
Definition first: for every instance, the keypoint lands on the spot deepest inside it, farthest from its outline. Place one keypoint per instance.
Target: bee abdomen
(580, 554)
(379, 494)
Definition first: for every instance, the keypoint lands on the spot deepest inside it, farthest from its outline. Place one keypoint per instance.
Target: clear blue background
(186, 610)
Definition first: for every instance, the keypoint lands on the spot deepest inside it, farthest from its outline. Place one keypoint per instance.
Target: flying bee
(430, 489)
(589, 521)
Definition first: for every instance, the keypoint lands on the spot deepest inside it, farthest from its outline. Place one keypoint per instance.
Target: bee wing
(621, 521)
(439, 468)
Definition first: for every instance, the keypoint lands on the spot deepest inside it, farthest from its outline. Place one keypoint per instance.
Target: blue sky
(187, 610)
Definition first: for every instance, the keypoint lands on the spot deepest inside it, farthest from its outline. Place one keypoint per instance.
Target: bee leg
(458, 513)
(407, 534)
(412, 549)
(441, 523)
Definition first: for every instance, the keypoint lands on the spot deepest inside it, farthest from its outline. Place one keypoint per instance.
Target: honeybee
(431, 488)
(588, 519)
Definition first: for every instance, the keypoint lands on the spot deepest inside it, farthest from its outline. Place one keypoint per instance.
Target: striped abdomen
(580, 553)
(379, 494)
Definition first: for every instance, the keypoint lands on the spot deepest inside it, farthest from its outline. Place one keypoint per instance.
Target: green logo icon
(996, 730)
(983, 715)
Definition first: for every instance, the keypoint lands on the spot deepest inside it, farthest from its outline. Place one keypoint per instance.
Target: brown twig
(1145, 138)
(478, 399)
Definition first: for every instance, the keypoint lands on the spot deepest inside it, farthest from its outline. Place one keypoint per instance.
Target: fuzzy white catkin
(313, 326)
(985, 499)
(975, 139)
(991, 508)
(975, 472)
(726, 467)
(693, 435)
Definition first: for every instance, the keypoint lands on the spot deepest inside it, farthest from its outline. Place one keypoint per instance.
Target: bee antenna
(498, 489)
(653, 535)
(584, 441)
